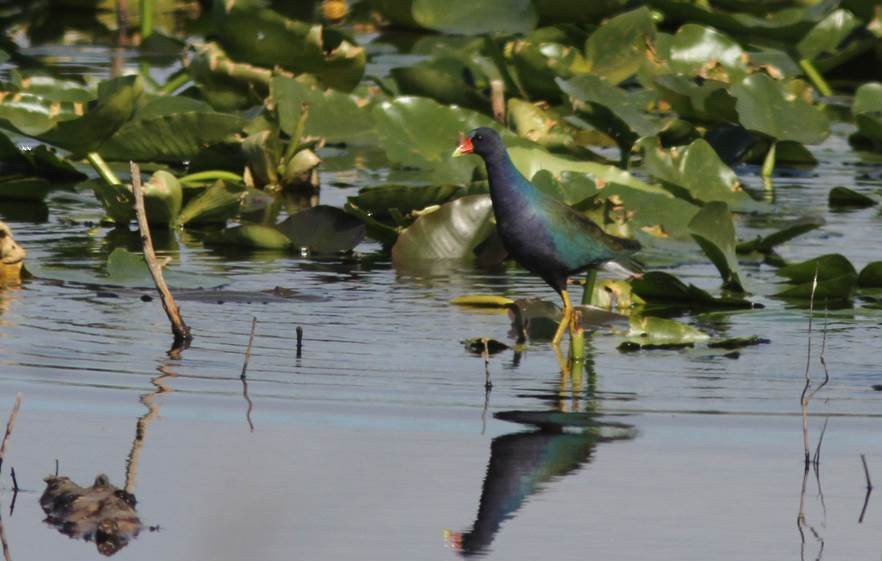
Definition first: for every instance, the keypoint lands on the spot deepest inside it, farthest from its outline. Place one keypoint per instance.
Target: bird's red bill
(465, 145)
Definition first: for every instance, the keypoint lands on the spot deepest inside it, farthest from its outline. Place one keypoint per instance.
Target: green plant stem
(147, 11)
(815, 77)
(174, 83)
(769, 162)
(588, 291)
(211, 175)
(102, 168)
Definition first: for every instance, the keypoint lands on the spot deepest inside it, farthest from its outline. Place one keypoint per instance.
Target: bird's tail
(624, 266)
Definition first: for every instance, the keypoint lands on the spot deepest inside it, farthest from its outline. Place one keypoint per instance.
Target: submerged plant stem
(102, 168)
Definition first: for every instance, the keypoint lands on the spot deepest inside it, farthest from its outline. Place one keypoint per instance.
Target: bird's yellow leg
(565, 319)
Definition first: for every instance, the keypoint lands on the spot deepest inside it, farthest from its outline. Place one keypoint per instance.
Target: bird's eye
(479, 137)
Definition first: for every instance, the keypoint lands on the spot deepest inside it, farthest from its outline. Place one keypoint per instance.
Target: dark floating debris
(877, 387)
(476, 345)
(738, 342)
(101, 513)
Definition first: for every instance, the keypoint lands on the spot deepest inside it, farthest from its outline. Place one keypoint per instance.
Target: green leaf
(377, 230)
(832, 288)
(24, 189)
(323, 229)
(163, 198)
(251, 236)
(708, 101)
(714, 231)
(482, 301)
(660, 289)
(417, 131)
(767, 243)
(617, 49)
(475, 18)
(216, 204)
(171, 137)
(442, 79)
(867, 111)
(333, 115)
(380, 199)
(530, 161)
(871, 275)
(696, 49)
(695, 173)
(843, 197)
(451, 232)
(653, 332)
(126, 269)
(266, 38)
(828, 267)
(115, 106)
(764, 106)
(610, 109)
(827, 34)
(622, 210)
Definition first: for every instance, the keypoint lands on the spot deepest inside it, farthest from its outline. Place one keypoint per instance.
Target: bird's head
(482, 141)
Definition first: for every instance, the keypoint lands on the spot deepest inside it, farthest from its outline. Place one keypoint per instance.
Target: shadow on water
(564, 439)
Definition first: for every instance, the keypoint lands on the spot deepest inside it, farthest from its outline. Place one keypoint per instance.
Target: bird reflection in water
(521, 464)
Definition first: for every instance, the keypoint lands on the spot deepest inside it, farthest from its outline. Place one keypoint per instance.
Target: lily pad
(843, 197)
(765, 106)
(610, 109)
(115, 106)
(839, 288)
(475, 18)
(266, 38)
(768, 243)
(867, 111)
(871, 275)
(126, 269)
(733, 343)
(660, 289)
(697, 50)
(170, 137)
(707, 101)
(420, 132)
(827, 34)
(695, 173)
(652, 332)
(333, 115)
(163, 199)
(828, 266)
(323, 229)
(714, 231)
(214, 205)
(482, 301)
(617, 49)
(451, 232)
(381, 200)
(251, 236)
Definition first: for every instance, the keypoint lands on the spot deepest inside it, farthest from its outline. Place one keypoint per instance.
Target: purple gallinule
(544, 235)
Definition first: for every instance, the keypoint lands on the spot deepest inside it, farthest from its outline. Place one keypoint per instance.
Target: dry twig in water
(9, 426)
(242, 376)
(807, 391)
(248, 349)
(180, 329)
(869, 488)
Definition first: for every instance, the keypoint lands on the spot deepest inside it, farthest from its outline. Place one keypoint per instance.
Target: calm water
(379, 442)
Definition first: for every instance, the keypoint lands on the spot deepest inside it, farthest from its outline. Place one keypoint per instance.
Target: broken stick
(9, 426)
(180, 329)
